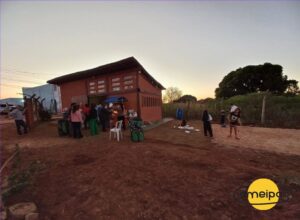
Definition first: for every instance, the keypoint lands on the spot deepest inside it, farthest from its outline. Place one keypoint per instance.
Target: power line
(22, 71)
(21, 75)
(18, 78)
(25, 81)
(10, 85)
(23, 78)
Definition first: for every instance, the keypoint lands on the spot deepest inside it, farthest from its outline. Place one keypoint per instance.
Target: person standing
(121, 115)
(103, 118)
(222, 120)
(93, 120)
(86, 111)
(68, 116)
(76, 119)
(102, 114)
(6, 109)
(179, 114)
(18, 115)
(98, 109)
(206, 118)
(234, 121)
(108, 115)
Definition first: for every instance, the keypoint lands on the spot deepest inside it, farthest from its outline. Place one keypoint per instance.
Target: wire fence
(280, 111)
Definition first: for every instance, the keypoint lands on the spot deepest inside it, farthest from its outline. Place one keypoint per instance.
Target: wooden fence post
(263, 110)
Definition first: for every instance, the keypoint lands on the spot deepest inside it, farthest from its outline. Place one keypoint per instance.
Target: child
(234, 121)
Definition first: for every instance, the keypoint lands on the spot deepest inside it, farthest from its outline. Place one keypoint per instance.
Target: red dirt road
(171, 175)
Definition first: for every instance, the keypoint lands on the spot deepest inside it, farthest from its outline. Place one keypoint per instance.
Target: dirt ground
(269, 139)
(171, 175)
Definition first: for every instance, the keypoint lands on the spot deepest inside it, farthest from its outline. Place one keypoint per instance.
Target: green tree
(292, 87)
(171, 94)
(186, 98)
(205, 101)
(259, 78)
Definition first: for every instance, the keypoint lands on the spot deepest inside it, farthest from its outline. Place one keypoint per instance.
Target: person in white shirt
(18, 115)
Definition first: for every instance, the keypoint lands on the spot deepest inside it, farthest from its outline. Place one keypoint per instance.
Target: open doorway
(96, 99)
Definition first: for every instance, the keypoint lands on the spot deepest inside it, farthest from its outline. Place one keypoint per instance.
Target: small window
(101, 81)
(128, 77)
(116, 89)
(128, 87)
(128, 82)
(115, 79)
(101, 90)
(92, 83)
(115, 84)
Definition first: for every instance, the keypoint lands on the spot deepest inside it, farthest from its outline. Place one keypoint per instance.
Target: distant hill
(14, 101)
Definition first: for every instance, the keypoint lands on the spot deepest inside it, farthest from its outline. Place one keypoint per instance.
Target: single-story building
(12, 101)
(125, 78)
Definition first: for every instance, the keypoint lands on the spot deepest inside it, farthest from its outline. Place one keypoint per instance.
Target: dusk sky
(191, 45)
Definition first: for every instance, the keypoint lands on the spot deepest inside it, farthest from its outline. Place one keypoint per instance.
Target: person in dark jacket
(68, 116)
(102, 117)
(206, 118)
(98, 108)
(105, 117)
(121, 115)
(92, 120)
(222, 119)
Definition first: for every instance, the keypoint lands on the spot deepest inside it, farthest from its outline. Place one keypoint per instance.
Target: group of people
(92, 116)
(106, 116)
(233, 119)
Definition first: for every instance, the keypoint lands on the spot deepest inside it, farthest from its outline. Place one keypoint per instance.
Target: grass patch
(20, 177)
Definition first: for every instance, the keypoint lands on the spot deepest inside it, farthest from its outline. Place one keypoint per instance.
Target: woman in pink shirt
(76, 119)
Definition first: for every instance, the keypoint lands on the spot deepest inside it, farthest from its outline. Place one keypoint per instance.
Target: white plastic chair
(117, 131)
